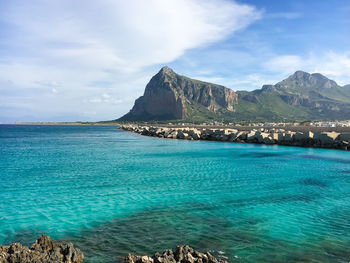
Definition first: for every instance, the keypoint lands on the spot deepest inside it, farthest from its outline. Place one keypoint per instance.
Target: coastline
(267, 135)
(45, 249)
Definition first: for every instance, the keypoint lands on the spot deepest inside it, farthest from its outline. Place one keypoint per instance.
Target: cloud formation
(78, 44)
(334, 65)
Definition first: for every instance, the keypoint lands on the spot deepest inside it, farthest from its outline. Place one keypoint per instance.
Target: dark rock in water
(44, 250)
(183, 254)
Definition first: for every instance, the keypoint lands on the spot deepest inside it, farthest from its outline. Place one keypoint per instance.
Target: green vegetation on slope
(300, 97)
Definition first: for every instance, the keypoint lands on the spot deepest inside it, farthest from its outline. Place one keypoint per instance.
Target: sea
(112, 192)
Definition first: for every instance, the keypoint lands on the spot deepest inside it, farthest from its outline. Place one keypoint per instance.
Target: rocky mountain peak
(300, 75)
(301, 80)
(170, 96)
(166, 71)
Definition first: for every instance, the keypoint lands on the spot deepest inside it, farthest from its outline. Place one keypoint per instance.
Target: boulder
(344, 137)
(194, 134)
(262, 137)
(230, 131)
(180, 135)
(277, 136)
(302, 136)
(288, 137)
(167, 132)
(206, 134)
(242, 135)
(268, 140)
(145, 131)
(345, 145)
(326, 138)
(251, 135)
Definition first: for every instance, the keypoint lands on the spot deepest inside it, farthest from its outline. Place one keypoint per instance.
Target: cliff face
(169, 96)
(300, 97)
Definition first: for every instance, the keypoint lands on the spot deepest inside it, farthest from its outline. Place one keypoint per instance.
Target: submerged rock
(44, 250)
(182, 254)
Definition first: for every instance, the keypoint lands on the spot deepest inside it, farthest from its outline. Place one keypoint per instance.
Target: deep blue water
(113, 192)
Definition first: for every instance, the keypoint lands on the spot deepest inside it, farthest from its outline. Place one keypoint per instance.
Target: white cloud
(105, 98)
(76, 43)
(285, 63)
(334, 65)
(126, 35)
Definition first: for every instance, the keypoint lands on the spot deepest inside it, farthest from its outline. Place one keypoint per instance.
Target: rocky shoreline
(46, 250)
(182, 254)
(333, 140)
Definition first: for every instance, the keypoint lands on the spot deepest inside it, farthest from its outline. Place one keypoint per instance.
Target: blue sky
(65, 60)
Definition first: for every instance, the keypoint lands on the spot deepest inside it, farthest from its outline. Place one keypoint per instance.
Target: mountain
(300, 97)
(347, 86)
(169, 96)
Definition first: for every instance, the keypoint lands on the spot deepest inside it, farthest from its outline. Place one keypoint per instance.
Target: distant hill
(302, 96)
(347, 86)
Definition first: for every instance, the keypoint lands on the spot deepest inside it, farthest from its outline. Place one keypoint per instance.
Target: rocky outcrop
(44, 250)
(333, 140)
(182, 254)
(169, 96)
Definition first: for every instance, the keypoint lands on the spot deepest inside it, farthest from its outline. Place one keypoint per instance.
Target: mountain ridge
(301, 96)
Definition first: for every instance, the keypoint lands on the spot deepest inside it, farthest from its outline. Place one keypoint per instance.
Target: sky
(88, 60)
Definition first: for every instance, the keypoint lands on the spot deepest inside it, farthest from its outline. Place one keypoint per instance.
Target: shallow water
(113, 192)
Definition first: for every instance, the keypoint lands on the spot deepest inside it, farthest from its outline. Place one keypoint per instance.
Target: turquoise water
(113, 192)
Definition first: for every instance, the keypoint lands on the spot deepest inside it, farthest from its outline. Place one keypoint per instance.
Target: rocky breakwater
(44, 250)
(182, 254)
(333, 140)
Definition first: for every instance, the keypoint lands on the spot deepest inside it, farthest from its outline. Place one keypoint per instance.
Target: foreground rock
(182, 254)
(333, 140)
(44, 250)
